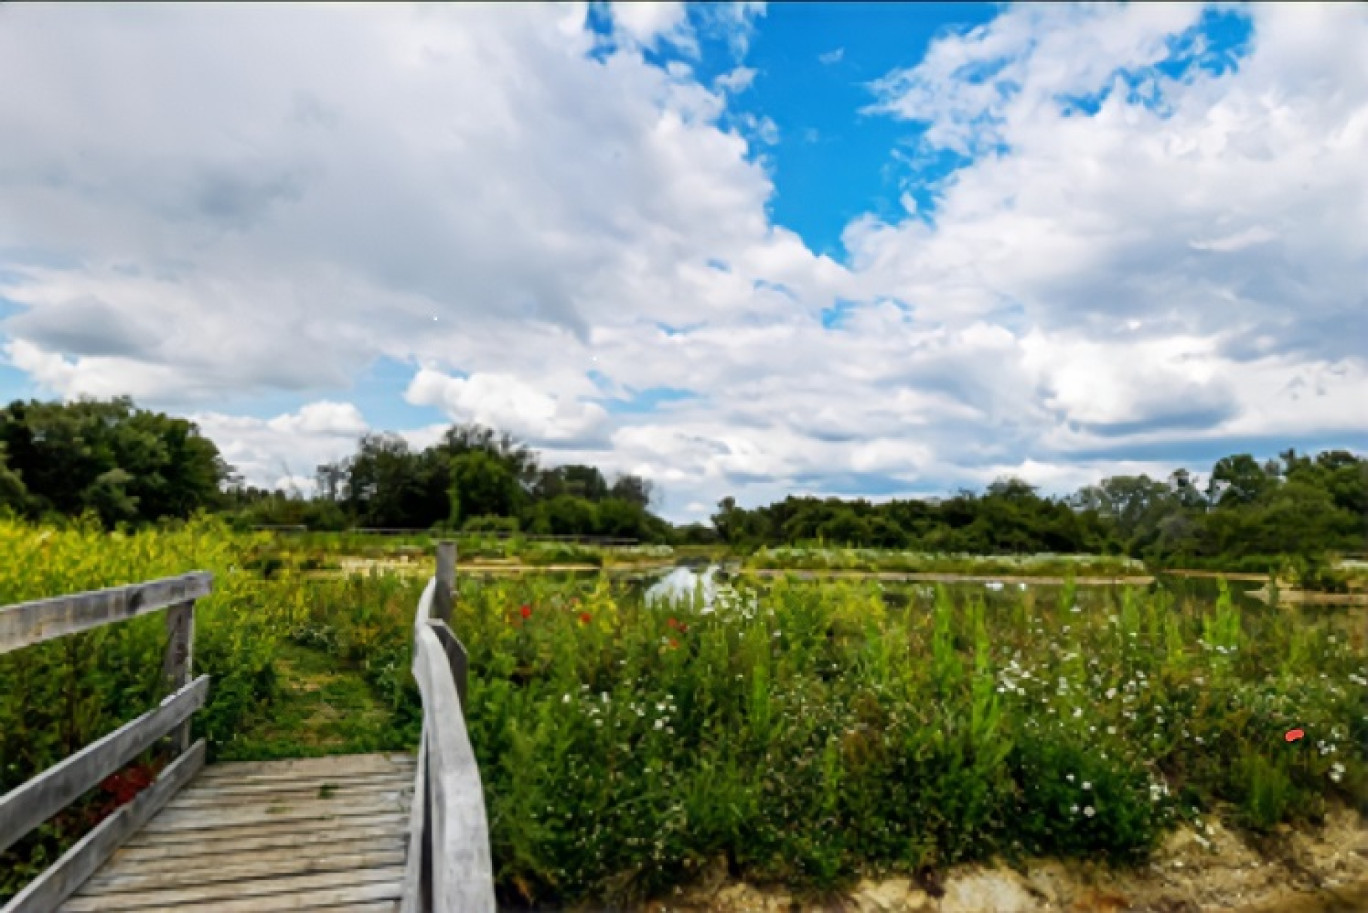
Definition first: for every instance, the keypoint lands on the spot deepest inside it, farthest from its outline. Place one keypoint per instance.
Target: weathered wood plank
(25, 807)
(364, 898)
(443, 597)
(294, 784)
(329, 765)
(302, 886)
(77, 864)
(323, 793)
(462, 871)
(174, 857)
(28, 623)
(198, 819)
(244, 866)
(177, 660)
(457, 657)
(417, 881)
(151, 836)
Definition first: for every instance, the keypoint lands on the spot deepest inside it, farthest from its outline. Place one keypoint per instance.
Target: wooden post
(443, 597)
(178, 660)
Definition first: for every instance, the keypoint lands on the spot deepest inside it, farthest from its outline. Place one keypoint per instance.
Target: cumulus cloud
(503, 401)
(1145, 240)
(284, 451)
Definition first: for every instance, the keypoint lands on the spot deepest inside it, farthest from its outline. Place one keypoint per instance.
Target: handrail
(42, 796)
(449, 865)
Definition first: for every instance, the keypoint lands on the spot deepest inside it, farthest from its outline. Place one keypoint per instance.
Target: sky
(852, 249)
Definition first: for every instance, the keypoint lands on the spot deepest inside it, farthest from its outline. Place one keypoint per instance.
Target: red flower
(585, 618)
(526, 611)
(673, 624)
(674, 644)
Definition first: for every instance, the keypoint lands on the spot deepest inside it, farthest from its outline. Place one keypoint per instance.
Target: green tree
(483, 486)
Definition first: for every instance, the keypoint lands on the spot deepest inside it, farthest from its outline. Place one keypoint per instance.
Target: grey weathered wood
(199, 854)
(390, 820)
(258, 889)
(34, 622)
(178, 659)
(77, 864)
(286, 787)
(417, 893)
(461, 868)
(27, 806)
(240, 868)
(199, 819)
(330, 765)
(444, 596)
(457, 657)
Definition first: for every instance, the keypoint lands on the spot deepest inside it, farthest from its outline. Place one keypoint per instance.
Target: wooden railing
(449, 866)
(30, 804)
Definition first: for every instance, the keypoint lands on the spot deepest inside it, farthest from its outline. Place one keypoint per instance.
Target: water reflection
(682, 583)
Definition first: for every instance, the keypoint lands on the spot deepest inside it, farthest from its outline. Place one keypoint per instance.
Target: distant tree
(633, 490)
(483, 486)
(127, 464)
(1240, 479)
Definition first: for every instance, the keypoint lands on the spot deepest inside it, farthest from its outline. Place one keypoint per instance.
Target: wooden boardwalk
(357, 832)
(302, 834)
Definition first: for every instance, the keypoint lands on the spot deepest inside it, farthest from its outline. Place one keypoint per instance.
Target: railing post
(442, 598)
(178, 660)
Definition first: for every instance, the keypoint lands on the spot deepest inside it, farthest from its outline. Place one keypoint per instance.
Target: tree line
(129, 466)
(1297, 505)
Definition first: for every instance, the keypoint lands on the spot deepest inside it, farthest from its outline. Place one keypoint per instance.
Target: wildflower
(526, 610)
(585, 618)
(1087, 785)
(1089, 810)
(674, 644)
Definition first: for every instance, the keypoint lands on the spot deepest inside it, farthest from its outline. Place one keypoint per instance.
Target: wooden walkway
(358, 832)
(302, 834)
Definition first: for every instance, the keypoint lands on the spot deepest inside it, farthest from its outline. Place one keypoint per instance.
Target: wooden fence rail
(449, 865)
(30, 804)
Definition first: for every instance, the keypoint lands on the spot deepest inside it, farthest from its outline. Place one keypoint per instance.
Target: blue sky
(740, 249)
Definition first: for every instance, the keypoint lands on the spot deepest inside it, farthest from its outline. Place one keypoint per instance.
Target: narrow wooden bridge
(352, 832)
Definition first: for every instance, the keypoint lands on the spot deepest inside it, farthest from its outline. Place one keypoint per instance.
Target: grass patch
(322, 708)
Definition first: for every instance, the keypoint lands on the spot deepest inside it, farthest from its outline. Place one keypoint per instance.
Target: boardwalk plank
(238, 867)
(385, 880)
(174, 857)
(260, 837)
(326, 826)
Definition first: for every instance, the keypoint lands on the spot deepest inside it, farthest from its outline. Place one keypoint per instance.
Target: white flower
(1087, 785)
(1073, 809)
(1069, 777)
(1089, 810)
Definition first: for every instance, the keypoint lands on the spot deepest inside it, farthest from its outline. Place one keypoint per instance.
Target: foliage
(127, 465)
(805, 732)
(1249, 515)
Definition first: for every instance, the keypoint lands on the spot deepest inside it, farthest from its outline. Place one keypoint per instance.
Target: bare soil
(1315, 870)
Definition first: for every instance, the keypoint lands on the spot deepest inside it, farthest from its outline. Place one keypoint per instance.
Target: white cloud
(324, 417)
(832, 56)
(283, 451)
(503, 401)
(648, 21)
(1189, 268)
